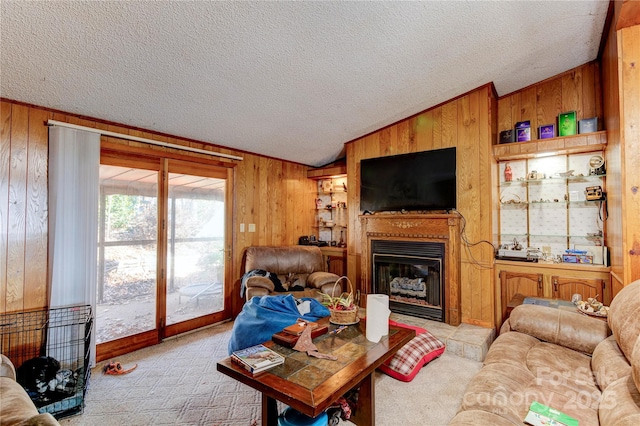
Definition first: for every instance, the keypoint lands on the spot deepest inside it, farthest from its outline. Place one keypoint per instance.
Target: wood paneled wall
(23, 208)
(466, 123)
(274, 195)
(579, 89)
(621, 87)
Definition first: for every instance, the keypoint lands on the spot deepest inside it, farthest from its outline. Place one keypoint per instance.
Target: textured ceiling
(292, 80)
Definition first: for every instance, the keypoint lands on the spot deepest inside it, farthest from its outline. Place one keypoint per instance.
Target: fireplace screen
(414, 282)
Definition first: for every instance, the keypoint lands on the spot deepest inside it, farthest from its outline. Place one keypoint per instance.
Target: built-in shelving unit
(331, 210)
(545, 206)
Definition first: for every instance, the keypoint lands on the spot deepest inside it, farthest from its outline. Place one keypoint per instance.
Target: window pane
(195, 251)
(127, 252)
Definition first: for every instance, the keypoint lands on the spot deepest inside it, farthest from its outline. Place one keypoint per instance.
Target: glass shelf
(559, 203)
(554, 179)
(563, 236)
(514, 205)
(563, 203)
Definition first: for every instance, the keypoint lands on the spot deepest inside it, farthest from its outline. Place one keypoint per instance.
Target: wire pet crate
(31, 339)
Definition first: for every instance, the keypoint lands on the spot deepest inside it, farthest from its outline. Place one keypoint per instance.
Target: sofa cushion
(479, 417)
(569, 329)
(499, 388)
(408, 361)
(319, 279)
(619, 404)
(556, 366)
(581, 406)
(623, 320)
(511, 348)
(608, 363)
(6, 367)
(284, 260)
(16, 404)
(623, 317)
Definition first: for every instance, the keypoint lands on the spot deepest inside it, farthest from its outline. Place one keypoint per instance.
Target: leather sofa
(16, 408)
(301, 267)
(580, 365)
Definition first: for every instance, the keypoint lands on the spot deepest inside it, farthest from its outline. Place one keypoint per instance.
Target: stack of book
(257, 358)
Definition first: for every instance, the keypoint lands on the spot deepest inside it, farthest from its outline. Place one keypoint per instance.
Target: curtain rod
(137, 139)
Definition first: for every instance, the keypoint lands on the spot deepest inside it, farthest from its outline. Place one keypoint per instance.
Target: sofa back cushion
(623, 317)
(624, 321)
(284, 260)
(569, 329)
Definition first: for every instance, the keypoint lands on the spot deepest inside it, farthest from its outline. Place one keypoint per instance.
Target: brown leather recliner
(295, 266)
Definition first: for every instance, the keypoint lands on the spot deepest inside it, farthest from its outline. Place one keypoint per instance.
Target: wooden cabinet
(514, 282)
(335, 259)
(551, 280)
(565, 287)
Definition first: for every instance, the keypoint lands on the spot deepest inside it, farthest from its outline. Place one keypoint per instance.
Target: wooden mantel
(439, 228)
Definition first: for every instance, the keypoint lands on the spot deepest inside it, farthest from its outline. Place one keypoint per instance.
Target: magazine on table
(257, 358)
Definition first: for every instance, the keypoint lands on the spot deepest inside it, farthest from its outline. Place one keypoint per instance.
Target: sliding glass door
(196, 245)
(162, 250)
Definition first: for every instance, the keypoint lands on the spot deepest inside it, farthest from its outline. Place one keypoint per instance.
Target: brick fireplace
(414, 258)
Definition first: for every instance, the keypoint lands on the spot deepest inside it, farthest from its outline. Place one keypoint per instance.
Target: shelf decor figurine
(508, 174)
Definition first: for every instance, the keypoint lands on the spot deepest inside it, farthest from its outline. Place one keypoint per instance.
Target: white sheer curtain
(74, 163)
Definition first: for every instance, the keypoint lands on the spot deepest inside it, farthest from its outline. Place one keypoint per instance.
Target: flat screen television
(423, 180)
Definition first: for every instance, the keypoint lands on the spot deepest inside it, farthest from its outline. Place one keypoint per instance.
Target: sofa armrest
(6, 368)
(323, 281)
(44, 419)
(569, 329)
(261, 282)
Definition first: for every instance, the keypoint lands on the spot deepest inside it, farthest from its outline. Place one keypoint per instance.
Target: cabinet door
(513, 283)
(336, 265)
(564, 287)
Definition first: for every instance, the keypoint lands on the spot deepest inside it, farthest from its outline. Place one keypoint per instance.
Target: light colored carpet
(176, 383)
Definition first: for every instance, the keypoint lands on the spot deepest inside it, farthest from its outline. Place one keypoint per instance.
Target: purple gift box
(546, 132)
(523, 131)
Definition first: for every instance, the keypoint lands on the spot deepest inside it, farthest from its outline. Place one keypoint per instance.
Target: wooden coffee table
(311, 385)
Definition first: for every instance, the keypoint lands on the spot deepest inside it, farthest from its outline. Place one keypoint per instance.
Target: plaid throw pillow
(406, 363)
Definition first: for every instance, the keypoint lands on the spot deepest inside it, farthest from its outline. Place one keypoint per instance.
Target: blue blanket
(262, 316)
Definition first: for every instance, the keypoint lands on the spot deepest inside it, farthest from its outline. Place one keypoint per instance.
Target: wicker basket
(341, 317)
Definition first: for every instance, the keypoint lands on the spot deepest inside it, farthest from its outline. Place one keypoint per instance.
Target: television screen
(423, 180)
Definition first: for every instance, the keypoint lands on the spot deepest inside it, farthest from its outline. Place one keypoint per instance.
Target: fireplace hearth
(412, 275)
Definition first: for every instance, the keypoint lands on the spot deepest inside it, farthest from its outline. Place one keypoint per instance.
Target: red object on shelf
(508, 174)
